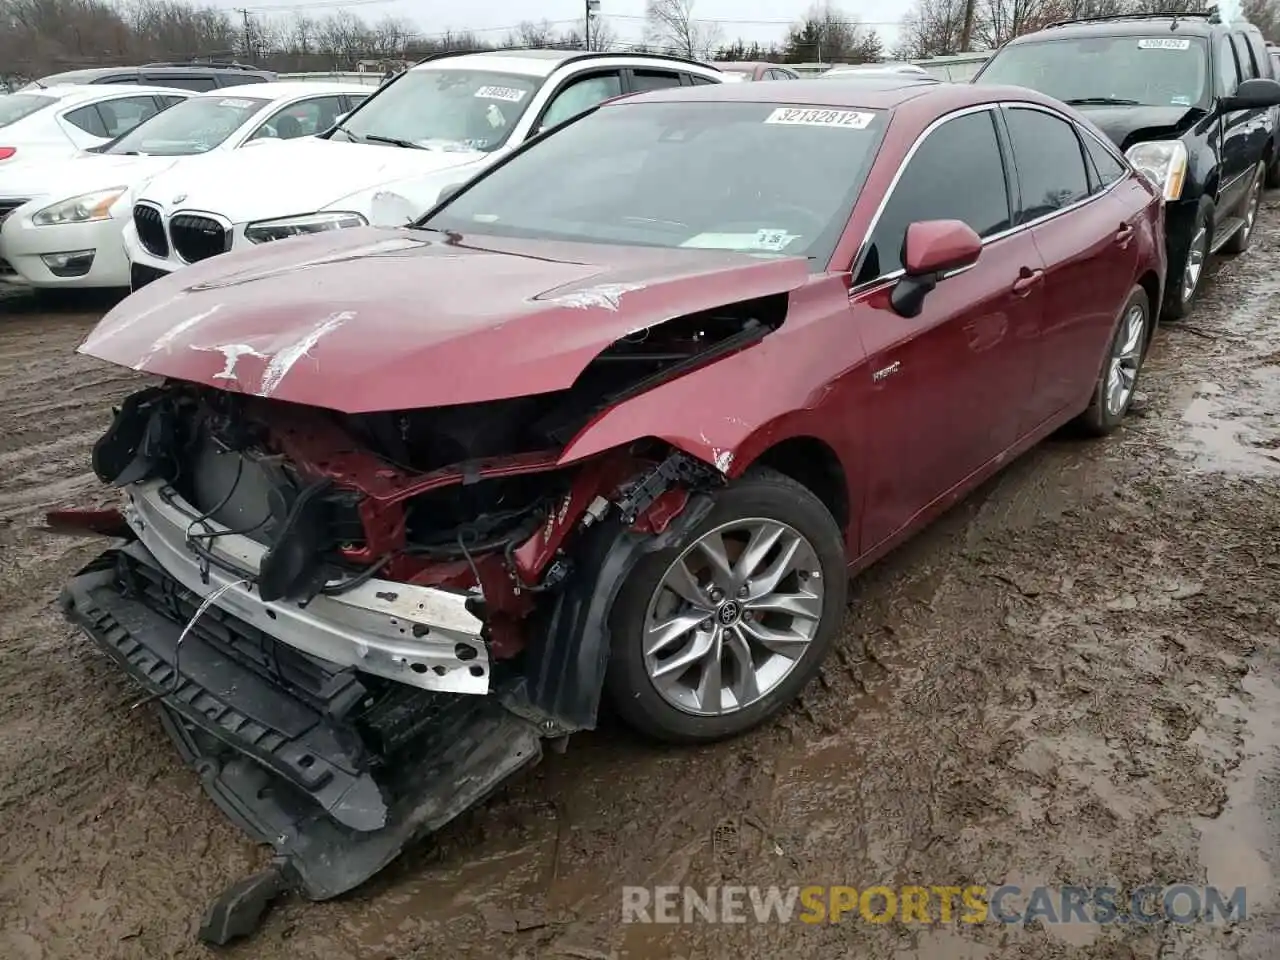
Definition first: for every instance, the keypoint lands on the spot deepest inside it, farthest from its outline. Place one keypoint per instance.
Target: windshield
(15, 106)
(750, 177)
(1128, 71)
(193, 126)
(443, 109)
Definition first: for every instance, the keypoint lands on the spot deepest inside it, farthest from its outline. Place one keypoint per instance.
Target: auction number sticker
(796, 116)
(509, 94)
(1164, 43)
(236, 104)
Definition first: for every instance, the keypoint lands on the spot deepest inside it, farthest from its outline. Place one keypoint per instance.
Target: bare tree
(671, 24)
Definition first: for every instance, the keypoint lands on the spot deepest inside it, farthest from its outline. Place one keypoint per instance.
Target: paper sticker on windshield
(1164, 43)
(794, 116)
(1180, 101)
(509, 94)
(773, 240)
(762, 241)
(236, 104)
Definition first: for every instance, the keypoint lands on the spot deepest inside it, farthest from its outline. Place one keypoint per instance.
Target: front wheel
(1113, 392)
(712, 639)
(1184, 279)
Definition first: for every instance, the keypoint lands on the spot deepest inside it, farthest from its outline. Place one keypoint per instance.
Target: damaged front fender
(731, 411)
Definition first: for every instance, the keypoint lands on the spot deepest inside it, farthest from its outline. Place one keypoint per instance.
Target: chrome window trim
(867, 285)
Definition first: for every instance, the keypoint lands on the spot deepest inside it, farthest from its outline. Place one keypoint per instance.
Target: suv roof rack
(197, 62)
(1209, 15)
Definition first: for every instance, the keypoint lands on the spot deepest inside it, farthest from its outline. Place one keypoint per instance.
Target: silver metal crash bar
(420, 636)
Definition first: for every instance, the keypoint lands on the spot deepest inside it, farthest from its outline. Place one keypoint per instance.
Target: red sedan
(621, 415)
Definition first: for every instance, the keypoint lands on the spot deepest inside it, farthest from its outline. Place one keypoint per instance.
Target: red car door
(948, 387)
(1086, 236)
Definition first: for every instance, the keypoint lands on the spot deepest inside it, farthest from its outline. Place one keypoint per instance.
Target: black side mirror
(1252, 94)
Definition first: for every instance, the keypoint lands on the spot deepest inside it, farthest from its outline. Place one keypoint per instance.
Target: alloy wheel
(1196, 256)
(1126, 358)
(1255, 204)
(732, 616)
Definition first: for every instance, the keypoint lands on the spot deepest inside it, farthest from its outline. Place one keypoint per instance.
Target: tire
(1125, 354)
(1239, 241)
(1178, 299)
(761, 495)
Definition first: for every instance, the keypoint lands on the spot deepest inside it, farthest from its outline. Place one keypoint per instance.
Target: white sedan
(57, 122)
(61, 223)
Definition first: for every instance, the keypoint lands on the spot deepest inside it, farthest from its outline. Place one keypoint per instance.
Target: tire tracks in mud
(1045, 688)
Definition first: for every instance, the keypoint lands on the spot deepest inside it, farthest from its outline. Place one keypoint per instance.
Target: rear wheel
(715, 638)
(1118, 380)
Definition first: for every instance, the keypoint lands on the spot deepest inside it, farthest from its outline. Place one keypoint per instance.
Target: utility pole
(248, 34)
(967, 32)
(592, 10)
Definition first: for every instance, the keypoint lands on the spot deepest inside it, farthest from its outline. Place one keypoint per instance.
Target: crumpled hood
(391, 318)
(1129, 125)
(83, 174)
(298, 176)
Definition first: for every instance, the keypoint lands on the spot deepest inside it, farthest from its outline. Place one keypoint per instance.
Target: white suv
(433, 127)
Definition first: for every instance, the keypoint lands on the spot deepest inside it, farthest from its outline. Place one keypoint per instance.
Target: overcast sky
(762, 20)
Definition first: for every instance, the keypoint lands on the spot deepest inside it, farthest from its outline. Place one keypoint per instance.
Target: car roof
(88, 73)
(874, 93)
(741, 65)
(286, 89)
(1126, 27)
(538, 62)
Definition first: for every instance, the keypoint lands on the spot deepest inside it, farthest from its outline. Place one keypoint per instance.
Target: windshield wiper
(407, 144)
(1114, 101)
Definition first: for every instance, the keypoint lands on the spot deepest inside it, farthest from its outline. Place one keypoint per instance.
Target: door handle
(1027, 279)
(1124, 235)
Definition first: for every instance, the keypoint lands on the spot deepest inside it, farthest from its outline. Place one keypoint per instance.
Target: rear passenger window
(188, 82)
(653, 80)
(1248, 69)
(1050, 165)
(1105, 165)
(1258, 47)
(956, 174)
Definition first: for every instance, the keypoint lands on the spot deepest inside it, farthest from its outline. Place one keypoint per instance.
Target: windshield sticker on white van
(1180, 101)
(1164, 43)
(794, 116)
(509, 94)
(236, 104)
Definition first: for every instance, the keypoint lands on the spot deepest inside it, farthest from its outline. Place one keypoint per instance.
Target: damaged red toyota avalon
(619, 418)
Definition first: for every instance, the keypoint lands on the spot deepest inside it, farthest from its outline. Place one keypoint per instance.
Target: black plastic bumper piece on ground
(470, 748)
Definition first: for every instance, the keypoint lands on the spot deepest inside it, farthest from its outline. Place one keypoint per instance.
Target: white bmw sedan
(61, 224)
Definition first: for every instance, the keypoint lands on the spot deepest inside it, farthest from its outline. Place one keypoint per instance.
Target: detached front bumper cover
(288, 769)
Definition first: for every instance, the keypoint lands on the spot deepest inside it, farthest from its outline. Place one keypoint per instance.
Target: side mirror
(448, 193)
(931, 249)
(1252, 94)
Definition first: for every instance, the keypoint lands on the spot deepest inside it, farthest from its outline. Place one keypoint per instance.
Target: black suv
(1192, 102)
(184, 76)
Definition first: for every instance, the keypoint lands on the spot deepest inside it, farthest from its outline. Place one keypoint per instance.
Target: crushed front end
(357, 626)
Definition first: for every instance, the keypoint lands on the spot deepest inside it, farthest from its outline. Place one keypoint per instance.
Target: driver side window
(581, 95)
(957, 173)
(1228, 72)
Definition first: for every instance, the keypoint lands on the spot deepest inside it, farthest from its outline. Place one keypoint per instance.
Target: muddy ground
(1072, 679)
